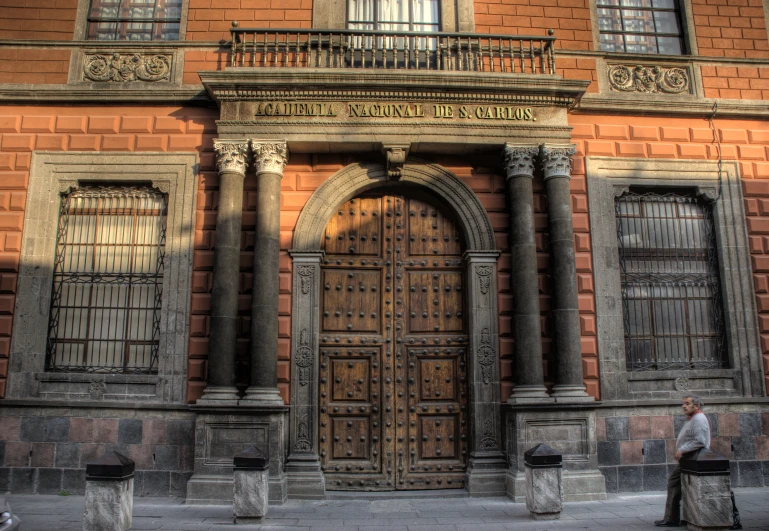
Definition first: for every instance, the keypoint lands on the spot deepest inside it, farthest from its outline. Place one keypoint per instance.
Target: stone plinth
(222, 433)
(705, 490)
(109, 494)
(250, 487)
(544, 483)
(571, 433)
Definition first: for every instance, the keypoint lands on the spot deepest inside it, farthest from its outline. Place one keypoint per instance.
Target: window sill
(93, 386)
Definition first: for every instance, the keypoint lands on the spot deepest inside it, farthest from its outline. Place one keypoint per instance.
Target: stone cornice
(256, 83)
(114, 93)
(680, 106)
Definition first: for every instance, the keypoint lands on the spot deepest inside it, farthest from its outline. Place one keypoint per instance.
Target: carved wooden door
(393, 370)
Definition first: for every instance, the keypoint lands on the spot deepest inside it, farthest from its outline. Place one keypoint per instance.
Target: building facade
(392, 244)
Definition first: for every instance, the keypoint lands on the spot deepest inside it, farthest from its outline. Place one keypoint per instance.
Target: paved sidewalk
(620, 511)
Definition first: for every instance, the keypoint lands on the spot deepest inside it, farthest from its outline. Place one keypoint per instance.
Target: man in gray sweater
(694, 435)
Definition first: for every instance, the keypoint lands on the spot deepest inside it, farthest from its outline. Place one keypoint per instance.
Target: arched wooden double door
(393, 347)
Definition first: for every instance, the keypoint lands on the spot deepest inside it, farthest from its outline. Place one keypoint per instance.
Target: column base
(529, 394)
(214, 395)
(305, 478)
(485, 476)
(565, 394)
(260, 396)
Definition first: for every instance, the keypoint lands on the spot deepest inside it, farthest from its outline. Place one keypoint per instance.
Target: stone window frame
(686, 17)
(51, 175)
(456, 15)
(608, 177)
(81, 25)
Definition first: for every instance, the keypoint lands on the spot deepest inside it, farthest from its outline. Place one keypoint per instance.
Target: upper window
(640, 26)
(394, 15)
(670, 282)
(108, 281)
(134, 20)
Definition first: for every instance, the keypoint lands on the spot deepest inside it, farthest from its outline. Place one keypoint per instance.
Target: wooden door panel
(351, 301)
(435, 301)
(430, 233)
(355, 229)
(392, 373)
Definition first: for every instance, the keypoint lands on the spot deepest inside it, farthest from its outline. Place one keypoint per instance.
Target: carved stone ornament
(269, 157)
(484, 277)
(231, 155)
(66, 187)
(396, 159)
(96, 390)
(519, 160)
(648, 79)
(682, 384)
(123, 68)
(162, 186)
(556, 160)
(488, 441)
(305, 278)
(303, 443)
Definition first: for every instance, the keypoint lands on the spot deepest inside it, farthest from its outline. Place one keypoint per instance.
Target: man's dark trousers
(673, 503)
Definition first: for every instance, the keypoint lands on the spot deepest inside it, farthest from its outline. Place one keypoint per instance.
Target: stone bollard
(544, 482)
(250, 487)
(705, 489)
(109, 493)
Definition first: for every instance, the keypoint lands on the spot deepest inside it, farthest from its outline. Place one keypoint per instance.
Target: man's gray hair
(696, 400)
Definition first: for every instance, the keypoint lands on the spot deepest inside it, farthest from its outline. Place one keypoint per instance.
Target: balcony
(392, 50)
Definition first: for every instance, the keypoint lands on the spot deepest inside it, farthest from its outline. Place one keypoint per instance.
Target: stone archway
(486, 467)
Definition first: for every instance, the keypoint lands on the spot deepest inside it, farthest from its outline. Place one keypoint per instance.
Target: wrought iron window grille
(108, 281)
(671, 295)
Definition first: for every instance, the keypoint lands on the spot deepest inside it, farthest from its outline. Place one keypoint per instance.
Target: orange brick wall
(748, 83)
(744, 141)
(37, 19)
(33, 65)
(569, 18)
(211, 20)
(28, 128)
(730, 28)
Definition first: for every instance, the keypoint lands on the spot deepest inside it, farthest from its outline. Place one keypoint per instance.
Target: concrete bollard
(705, 489)
(250, 487)
(544, 482)
(109, 493)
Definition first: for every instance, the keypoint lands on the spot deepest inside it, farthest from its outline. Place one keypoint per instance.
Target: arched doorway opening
(393, 345)
(472, 261)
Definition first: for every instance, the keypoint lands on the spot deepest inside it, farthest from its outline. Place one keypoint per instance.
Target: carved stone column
(305, 479)
(556, 165)
(232, 159)
(527, 330)
(486, 466)
(269, 159)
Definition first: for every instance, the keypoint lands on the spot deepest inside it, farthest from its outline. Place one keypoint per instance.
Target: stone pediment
(343, 110)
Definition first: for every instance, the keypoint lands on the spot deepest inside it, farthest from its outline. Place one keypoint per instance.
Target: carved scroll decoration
(303, 357)
(648, 79)
(488, 441)
(305, 278)
(486, 356)
(484, 277)
(123, 68)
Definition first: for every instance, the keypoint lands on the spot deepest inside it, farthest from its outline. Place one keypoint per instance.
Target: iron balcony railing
(392, 50)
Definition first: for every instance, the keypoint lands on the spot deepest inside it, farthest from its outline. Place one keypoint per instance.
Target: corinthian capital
(556, 160)
(269, 156)
(231, 156)
(519, 160)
